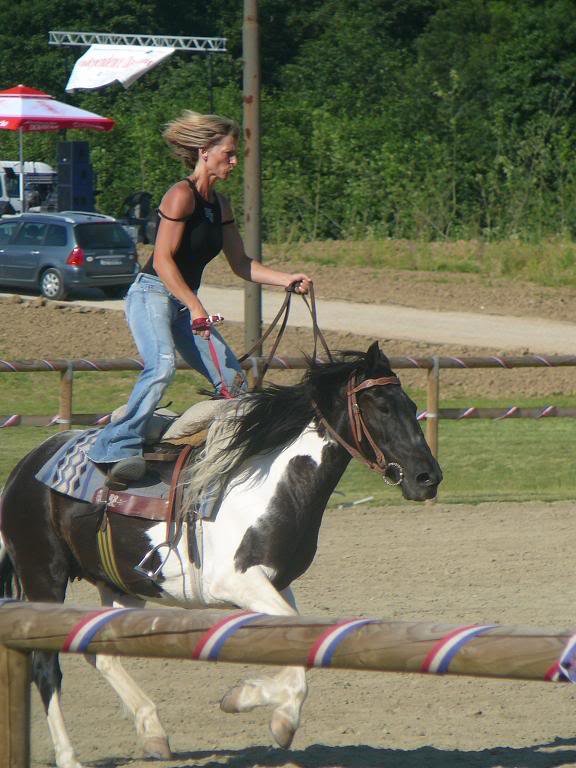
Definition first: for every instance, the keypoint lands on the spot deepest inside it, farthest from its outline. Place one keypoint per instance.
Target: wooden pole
(408, 363)
(66, 392)
(499, 651)
(15, 678)
(252, 170)
(432, 404)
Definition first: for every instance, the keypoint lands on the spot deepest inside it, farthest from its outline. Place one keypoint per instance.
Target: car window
(13, 185)
(57, 235)
(7, 229)
(105, 234)
(31, 234)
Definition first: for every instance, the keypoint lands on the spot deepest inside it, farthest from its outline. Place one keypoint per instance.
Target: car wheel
(116, 291)
(52, 285)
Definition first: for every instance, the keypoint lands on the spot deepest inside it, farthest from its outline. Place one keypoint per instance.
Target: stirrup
(141, 568)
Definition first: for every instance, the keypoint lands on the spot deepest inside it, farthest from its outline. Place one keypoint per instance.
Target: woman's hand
(299, 283)
(196, 315)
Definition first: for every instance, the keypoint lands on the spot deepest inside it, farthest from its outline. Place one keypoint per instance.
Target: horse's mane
(258, 423)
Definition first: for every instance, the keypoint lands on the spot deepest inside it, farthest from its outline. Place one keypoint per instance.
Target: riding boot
(125, 471)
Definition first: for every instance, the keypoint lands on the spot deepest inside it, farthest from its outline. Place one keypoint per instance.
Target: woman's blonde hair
(191, 132)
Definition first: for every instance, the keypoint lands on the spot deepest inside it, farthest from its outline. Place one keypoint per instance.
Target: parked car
(58, 252)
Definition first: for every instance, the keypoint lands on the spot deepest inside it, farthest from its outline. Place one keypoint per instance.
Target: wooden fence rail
(497, 651)
(432, 365)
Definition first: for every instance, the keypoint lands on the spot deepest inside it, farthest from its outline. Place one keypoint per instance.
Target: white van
(40, 187)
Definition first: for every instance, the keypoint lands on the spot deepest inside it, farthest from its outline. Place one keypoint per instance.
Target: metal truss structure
(192, 44)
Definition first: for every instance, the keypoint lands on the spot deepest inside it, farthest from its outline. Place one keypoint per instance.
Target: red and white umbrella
(25, 109)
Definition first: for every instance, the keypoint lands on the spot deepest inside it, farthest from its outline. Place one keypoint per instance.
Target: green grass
(517, 459)
(487, 461)
(551, 262)
(38, 393)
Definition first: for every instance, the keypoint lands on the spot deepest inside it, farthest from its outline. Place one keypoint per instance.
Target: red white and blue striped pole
(478, 650)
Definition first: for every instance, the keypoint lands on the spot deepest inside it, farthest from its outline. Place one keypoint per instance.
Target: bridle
(360, 430)
(357, 425)
(282, 317)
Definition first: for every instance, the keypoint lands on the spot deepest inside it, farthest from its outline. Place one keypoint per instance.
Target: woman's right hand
(199, 313)
(299, 283)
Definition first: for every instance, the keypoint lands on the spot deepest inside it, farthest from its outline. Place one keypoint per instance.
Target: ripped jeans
(160, 325)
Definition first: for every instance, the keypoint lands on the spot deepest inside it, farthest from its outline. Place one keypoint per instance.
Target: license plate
(110, 262)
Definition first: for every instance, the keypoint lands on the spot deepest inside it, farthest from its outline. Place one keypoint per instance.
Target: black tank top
(201, 240)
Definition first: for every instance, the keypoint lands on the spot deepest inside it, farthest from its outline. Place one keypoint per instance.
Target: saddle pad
(70, 472)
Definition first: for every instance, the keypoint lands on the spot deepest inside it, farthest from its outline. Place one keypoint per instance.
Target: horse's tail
(10, 585)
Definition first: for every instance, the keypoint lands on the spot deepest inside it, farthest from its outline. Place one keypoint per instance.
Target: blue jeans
(160, 324)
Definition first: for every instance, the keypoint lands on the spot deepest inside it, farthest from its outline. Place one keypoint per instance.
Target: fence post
(15, 678)
(254, 373)
(432, 405)
(66, 387)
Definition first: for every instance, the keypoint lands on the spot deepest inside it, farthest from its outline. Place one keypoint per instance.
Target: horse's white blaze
(244, 502)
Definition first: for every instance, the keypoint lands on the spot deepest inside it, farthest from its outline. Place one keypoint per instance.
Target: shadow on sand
(560, 752)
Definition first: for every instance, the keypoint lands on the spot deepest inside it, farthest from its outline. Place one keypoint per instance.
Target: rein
(360, 430)
(283, 313)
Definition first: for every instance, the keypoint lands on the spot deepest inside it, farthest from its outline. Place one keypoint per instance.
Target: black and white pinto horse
(269, 467)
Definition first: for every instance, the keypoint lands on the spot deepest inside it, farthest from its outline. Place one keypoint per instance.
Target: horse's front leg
(286, 691)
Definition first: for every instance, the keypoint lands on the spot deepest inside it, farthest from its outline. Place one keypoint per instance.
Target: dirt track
(490, 563)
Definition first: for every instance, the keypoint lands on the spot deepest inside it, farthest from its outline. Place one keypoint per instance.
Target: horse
(268, 469)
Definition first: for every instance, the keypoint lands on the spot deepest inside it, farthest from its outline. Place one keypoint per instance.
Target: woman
(162, 307)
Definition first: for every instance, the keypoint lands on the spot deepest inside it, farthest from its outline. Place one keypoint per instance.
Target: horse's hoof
(232, 701)
(282, 730)
(157, 748)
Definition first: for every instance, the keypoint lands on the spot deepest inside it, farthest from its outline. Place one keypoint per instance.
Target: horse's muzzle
(424, 486)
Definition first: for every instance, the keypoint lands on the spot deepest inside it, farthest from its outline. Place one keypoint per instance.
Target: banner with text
(103, 65)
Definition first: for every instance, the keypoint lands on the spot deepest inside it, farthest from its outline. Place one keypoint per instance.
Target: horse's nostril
(424, 479)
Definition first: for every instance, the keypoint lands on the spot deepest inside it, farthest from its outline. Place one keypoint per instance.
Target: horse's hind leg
(286, 691)
(148, 727)
(41, 563)
(47, 676)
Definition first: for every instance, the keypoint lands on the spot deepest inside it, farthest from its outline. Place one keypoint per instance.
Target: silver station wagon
(59, 252)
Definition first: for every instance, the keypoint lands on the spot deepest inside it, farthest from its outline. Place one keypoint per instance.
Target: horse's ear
(374, 355)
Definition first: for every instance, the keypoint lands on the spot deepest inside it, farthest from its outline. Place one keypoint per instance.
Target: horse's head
(377, 423)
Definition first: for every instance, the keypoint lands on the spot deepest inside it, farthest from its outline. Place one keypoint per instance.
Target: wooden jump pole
(495, 651)
(15, 677)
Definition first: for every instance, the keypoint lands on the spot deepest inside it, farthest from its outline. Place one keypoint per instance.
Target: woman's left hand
(302, 281)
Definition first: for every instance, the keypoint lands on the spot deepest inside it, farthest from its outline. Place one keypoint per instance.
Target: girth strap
(108, 558)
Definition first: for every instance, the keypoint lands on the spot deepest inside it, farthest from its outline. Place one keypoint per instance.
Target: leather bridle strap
(358, 427)
(284, 310)
(340, 440)
(283, 313)
(315, 327)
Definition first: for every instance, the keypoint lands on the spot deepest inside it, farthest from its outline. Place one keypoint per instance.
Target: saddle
(170, 447)
(170, 441)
